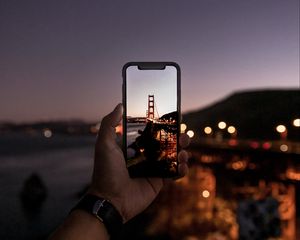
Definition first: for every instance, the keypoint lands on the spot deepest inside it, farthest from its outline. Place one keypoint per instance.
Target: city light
(205, 194)
(296, 122)
(281, 128)
(47, 133)
(284, 147)
(232, 142)
(119, 129)
(183, 127)
(190, 133)
(293, 175)
(207, 130)
(254, 144)
(238, 165)
(231, 129)
(222, 125)
(266, 145)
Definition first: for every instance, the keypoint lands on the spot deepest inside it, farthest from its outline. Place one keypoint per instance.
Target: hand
(111, 179)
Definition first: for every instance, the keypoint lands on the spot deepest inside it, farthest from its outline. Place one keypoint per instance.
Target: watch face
(103, 210)
(97, 206)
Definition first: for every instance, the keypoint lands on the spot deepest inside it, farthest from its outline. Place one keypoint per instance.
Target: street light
(208, 130)
(190, 133)
(231, 129)
(281, 128)
(183, 127)
(296, 122)
(222, 125)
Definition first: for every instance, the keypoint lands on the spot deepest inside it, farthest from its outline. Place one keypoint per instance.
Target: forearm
(81, 225)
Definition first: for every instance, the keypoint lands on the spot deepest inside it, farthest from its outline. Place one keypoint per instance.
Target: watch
(103, 210)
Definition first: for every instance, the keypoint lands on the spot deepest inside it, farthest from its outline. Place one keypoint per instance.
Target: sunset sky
(63, 59)
(162, 84)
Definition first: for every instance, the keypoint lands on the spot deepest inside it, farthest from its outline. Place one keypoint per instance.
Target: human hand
(111, 179)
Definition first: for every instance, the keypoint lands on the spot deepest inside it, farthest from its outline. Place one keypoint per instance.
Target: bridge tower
(150, 112)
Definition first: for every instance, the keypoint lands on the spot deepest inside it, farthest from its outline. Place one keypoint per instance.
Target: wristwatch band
(103, 210)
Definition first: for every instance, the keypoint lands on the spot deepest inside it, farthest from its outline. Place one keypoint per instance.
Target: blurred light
(119, 129)
(182, 127)
(238, 165)
(207, 130)
(284, 147)
(280, 128)
(222, 125)
(47, 133)
(142, 150)
(296, 122)
(190, 133)
(291, 174)
(266, 145)
(254, 144)
(232, 142)
(205, 194)
(206, 158)
(231, 129)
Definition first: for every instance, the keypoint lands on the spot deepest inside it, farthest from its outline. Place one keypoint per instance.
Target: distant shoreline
(12, 144)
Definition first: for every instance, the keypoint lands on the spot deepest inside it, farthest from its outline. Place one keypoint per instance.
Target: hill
(255, 114)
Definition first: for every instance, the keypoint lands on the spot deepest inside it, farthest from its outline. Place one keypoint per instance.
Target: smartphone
(151, 119)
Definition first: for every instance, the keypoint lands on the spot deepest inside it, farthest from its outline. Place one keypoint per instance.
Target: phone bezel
(150, 66)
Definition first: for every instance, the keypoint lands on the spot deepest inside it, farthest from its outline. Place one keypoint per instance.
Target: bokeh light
(208, 130)
(296, 122)
(231, 129)
(183, 127)
(281, 128)
(190, 133)
(205, 194)
(47, 133)
(284, 148)
(222, 125)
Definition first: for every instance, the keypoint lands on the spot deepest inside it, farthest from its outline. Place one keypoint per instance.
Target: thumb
(109, 122)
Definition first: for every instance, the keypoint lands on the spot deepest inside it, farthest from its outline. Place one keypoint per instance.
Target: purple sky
(162, 84)
(63, 59)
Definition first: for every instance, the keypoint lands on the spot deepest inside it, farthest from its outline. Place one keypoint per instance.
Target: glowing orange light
(238, 165)
(183, 127)
(119, 129)
(231, 129)
(208, 130)
(293, 175)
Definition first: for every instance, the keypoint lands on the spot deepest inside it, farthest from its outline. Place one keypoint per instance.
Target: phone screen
(151, 99)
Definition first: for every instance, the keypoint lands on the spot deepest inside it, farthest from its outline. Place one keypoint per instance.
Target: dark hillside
(255, 114)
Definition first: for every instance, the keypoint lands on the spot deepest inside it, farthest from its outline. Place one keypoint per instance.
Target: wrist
(117, 203)
(101, 209)
(94, 225)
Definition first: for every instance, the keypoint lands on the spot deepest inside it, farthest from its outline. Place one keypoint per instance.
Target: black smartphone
(151, 119)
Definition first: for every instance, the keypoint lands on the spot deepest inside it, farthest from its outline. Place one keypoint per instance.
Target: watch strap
(103, 210)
